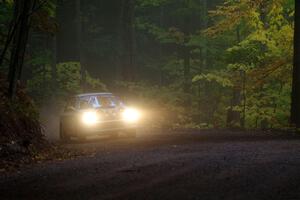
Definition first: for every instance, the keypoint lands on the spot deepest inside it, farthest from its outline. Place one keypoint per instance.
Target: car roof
(94, 94)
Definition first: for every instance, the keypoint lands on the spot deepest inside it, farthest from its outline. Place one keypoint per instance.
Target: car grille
(109, 114)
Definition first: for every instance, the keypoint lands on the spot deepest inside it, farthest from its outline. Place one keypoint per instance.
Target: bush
(19, 122)
(42, 86)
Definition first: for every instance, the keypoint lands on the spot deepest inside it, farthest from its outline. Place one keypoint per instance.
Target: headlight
(89, 118)
(130, 115)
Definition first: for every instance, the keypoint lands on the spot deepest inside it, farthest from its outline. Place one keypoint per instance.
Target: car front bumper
(106, 127)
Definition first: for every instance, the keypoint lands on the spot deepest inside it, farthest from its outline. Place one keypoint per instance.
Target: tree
(234, 116)
(22, 13)
(241, 75)
(69, 37)
(295, 105)
(68, 48)
(8, 37)
(259, 63)
(128, 41)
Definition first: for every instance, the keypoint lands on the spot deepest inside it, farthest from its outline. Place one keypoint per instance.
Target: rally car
(97, 114)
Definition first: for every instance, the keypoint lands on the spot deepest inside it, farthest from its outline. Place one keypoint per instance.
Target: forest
(150, 99)
(198, 63)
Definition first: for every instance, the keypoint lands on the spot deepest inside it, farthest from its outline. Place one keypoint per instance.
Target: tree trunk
(119, 30)
(68, 47)
(204, 26)
(10, 36)
(79, 30)
(69, 36)
(187, 72)
(295, 105)
(128, 63)
(186, 56)
(53, 62)
(233, 116)
(203, 55)
(161, 52)
(22, 13)
(244, 98)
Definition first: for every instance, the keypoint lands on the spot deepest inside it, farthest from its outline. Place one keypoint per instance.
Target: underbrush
(169, 107)
(21, 139)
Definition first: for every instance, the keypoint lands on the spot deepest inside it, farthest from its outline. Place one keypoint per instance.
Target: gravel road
(194, 165)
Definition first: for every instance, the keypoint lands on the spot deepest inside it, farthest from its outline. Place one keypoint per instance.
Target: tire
(63, 135)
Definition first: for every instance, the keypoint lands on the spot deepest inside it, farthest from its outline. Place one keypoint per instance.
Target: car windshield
(99, 102)
(108, 101)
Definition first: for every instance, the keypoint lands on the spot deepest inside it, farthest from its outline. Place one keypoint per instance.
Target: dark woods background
(196, 63)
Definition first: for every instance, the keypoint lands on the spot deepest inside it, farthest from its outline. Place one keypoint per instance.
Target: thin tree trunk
(53, 63)
(204, 25)
(233, 116)
(275, 105)
(128, 64)
(67, 36)
(295, 105)
(186, 55)
(203, 53)
(119, 30)
(53, 48)
(79, 24)
(22, 11)
(243, 118)
(187, 70)
(10, 36)
(161, 23)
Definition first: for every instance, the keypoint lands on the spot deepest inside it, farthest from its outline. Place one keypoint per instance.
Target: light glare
(131, 115)
(89, 118)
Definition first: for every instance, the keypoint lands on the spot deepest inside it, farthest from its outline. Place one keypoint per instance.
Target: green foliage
(165, 103)
(270, 104)
(203, 106)
(6, 12)
(151, 3)
(19, 120)
(214, 77)
(43, 17)
(248, 49)
(190, 71)
(264, 55)
(42, 86)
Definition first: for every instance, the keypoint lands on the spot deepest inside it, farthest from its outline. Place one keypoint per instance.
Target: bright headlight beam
(89, 118)
(131, 115)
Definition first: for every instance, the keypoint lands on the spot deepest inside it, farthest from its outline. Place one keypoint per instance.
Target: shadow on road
(188, 137)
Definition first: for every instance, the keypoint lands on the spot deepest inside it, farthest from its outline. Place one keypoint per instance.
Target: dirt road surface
(194, 165)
